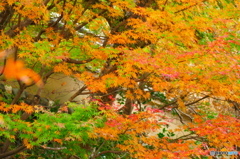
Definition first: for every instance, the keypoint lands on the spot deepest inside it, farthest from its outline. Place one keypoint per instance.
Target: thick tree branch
(13, 152)
(77, 93)
(5, 16)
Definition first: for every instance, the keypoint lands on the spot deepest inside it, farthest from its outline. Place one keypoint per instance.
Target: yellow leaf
(27, 144)
(181, 105)
(1, 120)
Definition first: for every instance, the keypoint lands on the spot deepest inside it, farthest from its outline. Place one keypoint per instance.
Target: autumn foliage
(143, 64)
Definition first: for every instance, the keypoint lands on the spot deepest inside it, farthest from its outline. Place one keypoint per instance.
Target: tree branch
(197, 100)
(77, 93)
(189, 137)
(13, 152)
(185, 8)
(179, 115)
(69, 60)
(109, 151)
(164, 5)
(85, 23)
(54, 148)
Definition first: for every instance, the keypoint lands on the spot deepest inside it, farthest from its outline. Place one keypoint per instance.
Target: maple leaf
(27, 144)
(16, 70)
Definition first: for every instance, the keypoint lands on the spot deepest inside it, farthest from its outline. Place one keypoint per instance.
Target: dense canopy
(138, 60)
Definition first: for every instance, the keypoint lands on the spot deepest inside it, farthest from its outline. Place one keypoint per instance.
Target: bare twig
(95, 153)
(186, 8)
(189, 137)
(193, 110)
(197, 100)
(109, 151)
(54, 148)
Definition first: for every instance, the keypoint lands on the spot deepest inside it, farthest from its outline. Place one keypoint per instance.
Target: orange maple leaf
(16, 70)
